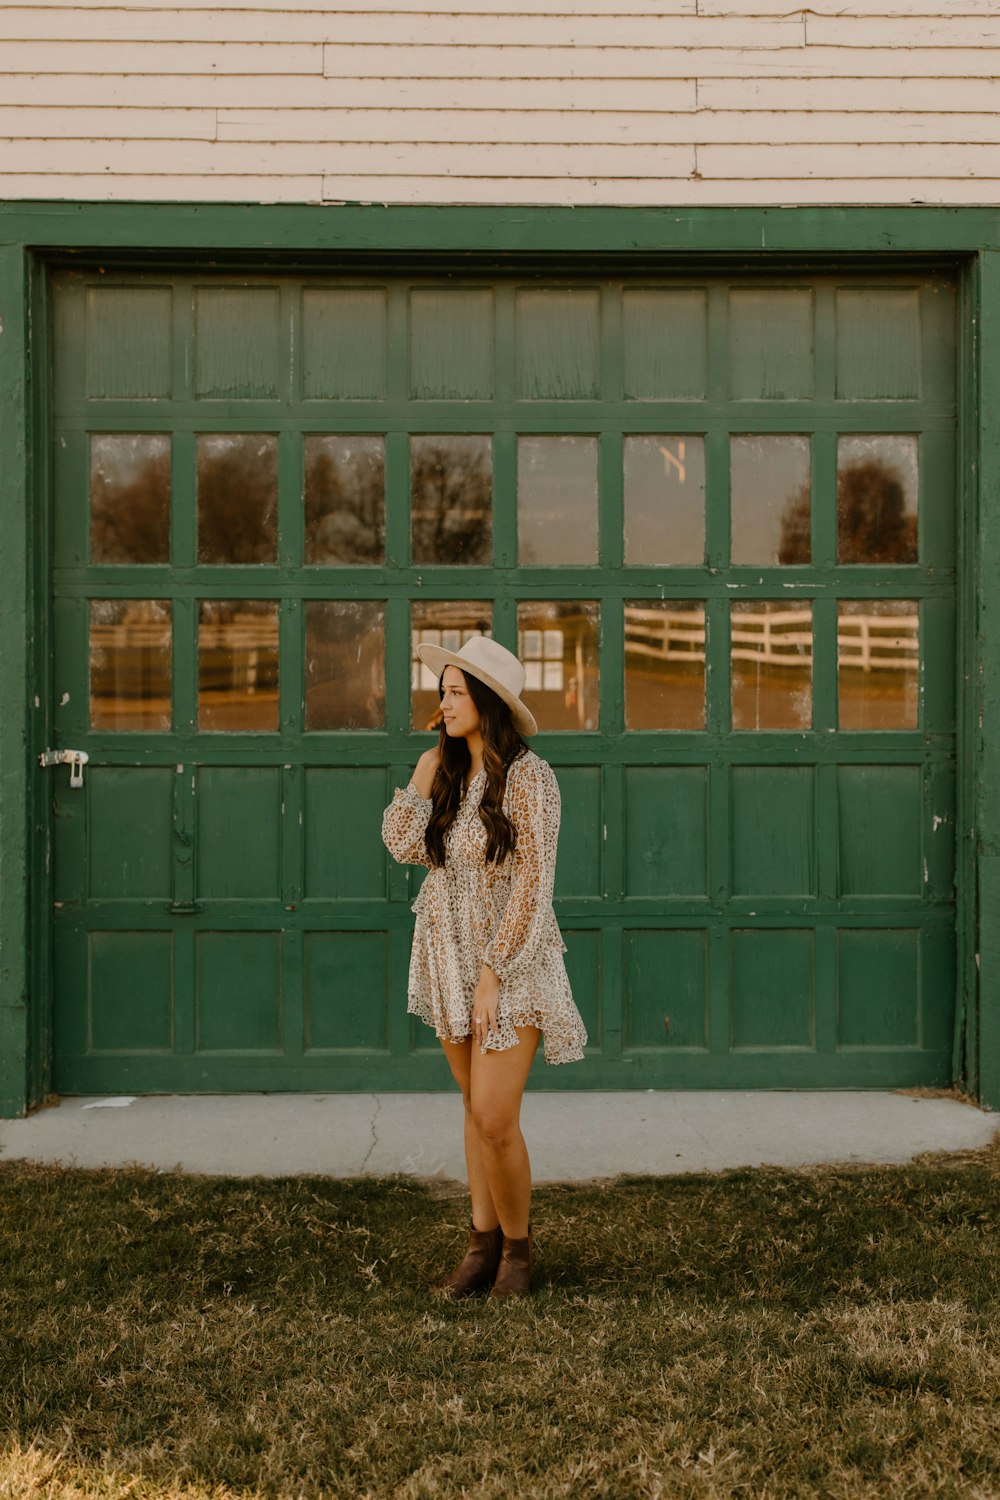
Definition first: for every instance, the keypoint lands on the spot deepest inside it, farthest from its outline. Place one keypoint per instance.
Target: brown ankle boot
(477, 1267)
(513, 1277)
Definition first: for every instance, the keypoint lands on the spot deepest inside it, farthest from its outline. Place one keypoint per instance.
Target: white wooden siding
(517, 101)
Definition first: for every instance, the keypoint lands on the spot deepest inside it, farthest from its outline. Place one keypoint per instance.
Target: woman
(487, 970)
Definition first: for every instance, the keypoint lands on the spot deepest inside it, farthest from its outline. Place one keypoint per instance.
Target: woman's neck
(475, 744)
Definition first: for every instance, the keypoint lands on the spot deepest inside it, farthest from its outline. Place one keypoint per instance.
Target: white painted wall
(515, 101)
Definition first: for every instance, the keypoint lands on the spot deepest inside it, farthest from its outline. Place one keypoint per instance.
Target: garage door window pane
(877, 487)
(878, 655)
(344, 499)
(451, 495)
(558, 644)
(557, 499)
(664, 664)
(130, 497)
(237, 497)
(770, 499)
(130, 664)
(238, 664)
(441, 622)
(345, 664)
(665, 501)
(771, 664)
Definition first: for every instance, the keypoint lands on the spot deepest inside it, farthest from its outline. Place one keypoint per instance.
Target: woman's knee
(495, 1126)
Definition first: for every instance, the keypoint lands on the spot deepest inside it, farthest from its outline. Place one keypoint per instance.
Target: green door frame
(33, 234)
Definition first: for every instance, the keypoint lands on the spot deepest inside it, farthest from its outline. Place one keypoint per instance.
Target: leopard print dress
(470, 913)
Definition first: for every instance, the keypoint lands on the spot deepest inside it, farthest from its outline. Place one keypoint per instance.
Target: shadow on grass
(758, 1333)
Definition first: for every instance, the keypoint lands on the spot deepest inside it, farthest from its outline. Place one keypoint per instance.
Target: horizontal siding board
(50, 57)
(318, 9)
(359, 60)
(933, 97)
(409, 189)
(357, 157)
(137, 124)
(278, 91)
(405, 26)
(897, 31)
(918, 161)
(584, 126)
(914, 8)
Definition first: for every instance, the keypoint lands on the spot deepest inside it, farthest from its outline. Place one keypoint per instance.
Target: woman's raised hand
(425, 771)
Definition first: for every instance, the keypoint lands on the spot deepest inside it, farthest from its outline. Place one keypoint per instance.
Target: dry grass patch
(759, 1334)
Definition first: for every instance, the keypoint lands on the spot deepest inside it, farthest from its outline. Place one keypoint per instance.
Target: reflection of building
(597, 394)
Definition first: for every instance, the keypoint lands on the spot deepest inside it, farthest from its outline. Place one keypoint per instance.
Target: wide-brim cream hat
(491, 663)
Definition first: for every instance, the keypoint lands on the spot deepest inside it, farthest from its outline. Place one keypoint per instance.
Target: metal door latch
(75, 759)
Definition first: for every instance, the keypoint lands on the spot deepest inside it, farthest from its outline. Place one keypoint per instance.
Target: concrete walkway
(570, 1136)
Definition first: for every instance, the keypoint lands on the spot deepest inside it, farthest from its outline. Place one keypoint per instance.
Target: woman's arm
(534, 808)
(404, 821)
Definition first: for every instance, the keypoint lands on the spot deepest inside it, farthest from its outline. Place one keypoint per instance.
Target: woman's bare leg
(484, 1214)
(497, 1081)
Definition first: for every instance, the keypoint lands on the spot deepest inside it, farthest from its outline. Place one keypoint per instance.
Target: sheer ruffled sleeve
(527, 922)
(404, 824)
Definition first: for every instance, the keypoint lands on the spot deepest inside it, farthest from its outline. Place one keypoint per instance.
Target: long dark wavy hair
(501, 746)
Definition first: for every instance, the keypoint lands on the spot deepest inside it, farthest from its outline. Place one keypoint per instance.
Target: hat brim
(437, 658)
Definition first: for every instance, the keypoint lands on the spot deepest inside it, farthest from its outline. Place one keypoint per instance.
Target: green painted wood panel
(237, 345)
(584, 966)
(238, 832)
(557, 343)
(666, 831)
(878, 343)
(707, 878)
(341, 807)
(130, 992)
(129, 840)
(347, 992)
(771, 354)
(878, 988)
(881, 826)
(129, 342)
(451, 344)
(665, 343)
(666, 989)
(239, 999)
(773, 988)
(578, 868)
(344, 355)
(773, 835)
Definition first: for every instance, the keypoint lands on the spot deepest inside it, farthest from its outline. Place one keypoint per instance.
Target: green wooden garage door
(715, 516)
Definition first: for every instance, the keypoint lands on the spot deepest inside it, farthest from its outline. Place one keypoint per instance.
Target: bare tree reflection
(451, 485)
(130, 500)
(873, 524)
(237, 498)
(345, 664)
(345, 500)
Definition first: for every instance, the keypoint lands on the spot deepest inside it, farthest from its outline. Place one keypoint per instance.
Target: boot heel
(513, 1278)
(478, 1266)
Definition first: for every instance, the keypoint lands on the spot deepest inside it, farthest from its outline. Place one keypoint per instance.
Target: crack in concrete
(371, 1148)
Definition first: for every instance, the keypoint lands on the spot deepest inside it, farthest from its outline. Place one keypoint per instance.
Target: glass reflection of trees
(345, 664)
(451, 490)
(873, 522)
(130, 497)
(237, 497)
(344, 499)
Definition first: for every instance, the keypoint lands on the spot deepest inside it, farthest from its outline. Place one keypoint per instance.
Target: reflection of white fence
(663, 634)
(884, 643)
(779, 637)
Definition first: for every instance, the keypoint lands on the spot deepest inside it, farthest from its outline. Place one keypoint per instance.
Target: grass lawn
(758, 1334)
